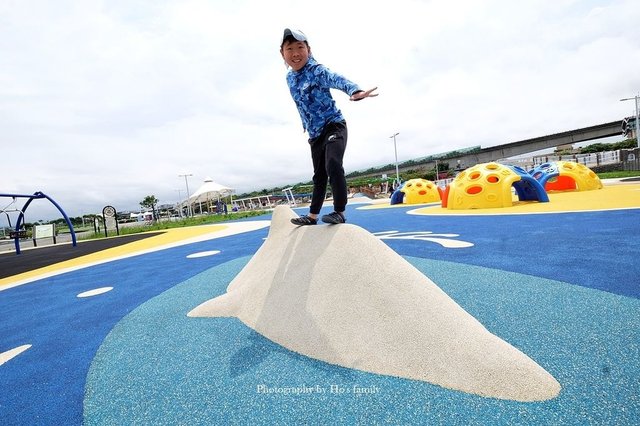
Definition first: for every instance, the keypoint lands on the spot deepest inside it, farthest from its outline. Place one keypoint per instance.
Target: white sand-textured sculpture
(338, 294)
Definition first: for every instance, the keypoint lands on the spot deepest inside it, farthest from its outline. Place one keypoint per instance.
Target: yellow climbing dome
(566, 176)
(418, 191)
(488, 185)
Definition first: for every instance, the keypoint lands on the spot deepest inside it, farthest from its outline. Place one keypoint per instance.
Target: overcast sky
(105, 102)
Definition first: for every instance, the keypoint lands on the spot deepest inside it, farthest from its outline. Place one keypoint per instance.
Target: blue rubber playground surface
(563, 287)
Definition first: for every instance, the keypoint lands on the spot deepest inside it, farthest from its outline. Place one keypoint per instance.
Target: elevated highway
(512, 149)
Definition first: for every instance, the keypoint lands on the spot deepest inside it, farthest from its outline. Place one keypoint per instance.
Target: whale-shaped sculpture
(338, 294)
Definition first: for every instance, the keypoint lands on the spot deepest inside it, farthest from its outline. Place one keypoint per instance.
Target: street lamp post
(637, 99)
(395, 149)
(179, 191)
(186, 182)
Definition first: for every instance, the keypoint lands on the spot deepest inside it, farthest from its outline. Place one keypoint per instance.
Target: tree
(601, 147)
(150, 202)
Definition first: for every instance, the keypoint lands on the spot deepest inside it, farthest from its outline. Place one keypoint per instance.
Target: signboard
(43, 231)
(110, 219)
(109, 211)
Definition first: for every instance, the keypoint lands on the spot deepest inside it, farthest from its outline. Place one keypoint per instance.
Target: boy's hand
(364, 94)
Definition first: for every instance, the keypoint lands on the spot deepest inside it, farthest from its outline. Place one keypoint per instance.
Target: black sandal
(304, 220)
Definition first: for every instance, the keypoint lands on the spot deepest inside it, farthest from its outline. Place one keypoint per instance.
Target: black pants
(327, 151)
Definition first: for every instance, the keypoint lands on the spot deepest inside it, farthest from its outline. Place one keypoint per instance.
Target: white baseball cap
(297, 34)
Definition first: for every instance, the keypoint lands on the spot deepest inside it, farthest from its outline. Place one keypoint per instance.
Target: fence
(589, 160)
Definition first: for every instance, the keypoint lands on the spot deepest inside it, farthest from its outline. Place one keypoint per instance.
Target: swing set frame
(35, 196)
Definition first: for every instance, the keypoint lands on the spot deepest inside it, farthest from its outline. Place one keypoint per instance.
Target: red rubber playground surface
(103, 337)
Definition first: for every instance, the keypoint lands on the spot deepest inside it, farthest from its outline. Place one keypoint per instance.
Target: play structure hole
(474, 175)
(492, 166)
(493, 179)
(473, 190)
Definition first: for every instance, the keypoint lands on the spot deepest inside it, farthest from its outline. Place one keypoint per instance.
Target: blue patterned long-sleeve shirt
(310, 91)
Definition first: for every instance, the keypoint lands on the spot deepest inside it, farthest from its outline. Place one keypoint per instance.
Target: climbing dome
(416, 191)
(488, 185)
(566, 176)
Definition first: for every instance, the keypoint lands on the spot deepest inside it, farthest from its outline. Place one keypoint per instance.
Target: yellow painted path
(167, 239)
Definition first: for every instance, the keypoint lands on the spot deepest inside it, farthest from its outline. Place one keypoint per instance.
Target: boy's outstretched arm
(364, 94)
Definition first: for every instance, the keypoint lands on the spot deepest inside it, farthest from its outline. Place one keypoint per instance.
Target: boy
(309, 83)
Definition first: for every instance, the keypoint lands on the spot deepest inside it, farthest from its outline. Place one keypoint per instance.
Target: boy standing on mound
(309, 83)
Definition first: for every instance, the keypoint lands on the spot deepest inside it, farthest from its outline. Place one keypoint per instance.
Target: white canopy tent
(209, 191)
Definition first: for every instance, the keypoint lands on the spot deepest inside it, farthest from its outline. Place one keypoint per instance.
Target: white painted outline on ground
(202, 254)
(95, 292)
(12, 353)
